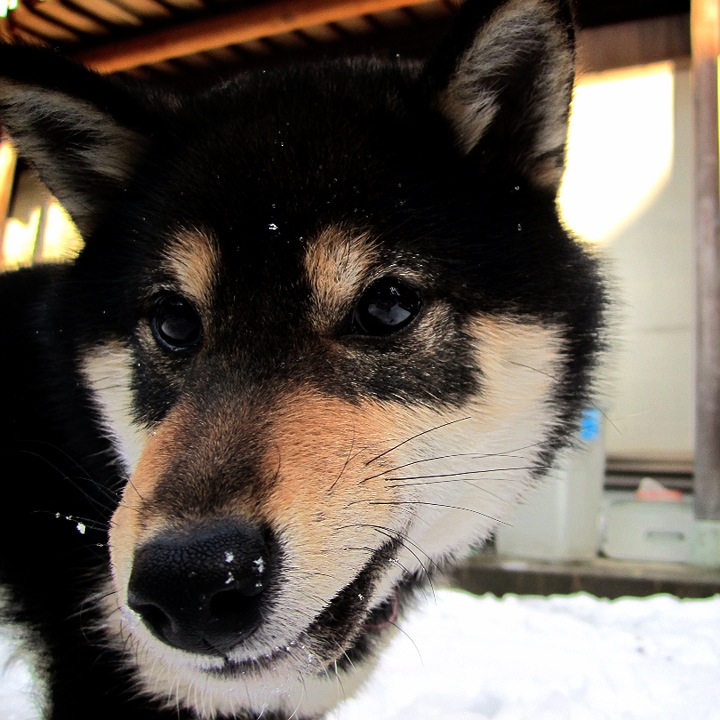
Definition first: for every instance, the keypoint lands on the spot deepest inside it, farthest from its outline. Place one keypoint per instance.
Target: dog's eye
(387, 306)
(175, 323)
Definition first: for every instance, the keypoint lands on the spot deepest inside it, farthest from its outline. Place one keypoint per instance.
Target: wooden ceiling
(182, 38)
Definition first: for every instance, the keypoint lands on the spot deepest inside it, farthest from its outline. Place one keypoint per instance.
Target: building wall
(628, 191)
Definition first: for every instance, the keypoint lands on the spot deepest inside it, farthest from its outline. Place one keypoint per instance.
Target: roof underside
(183, 38)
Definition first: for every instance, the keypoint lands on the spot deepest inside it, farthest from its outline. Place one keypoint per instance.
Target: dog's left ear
(503, 80)
(83, 133)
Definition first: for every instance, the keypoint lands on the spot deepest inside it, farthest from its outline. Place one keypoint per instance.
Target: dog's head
(334, 327)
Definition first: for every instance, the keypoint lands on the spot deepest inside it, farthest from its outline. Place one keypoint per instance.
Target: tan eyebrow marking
(337, 264)
(193, 259)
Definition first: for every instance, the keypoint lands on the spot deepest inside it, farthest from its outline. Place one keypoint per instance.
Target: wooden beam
(637, 42)
(231, 28)
(705, 43)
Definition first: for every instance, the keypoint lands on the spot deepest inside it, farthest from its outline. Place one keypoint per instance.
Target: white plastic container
(649, 530)
(560, 519)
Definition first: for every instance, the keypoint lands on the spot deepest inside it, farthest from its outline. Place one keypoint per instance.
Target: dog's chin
(320, 648)
(305, 675)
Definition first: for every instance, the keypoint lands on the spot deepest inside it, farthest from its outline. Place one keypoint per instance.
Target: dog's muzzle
(202, 589)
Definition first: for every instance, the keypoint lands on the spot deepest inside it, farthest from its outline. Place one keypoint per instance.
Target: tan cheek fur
(132, 523)
(329, 476)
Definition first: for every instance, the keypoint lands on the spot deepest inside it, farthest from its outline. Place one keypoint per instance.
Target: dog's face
(335, 330)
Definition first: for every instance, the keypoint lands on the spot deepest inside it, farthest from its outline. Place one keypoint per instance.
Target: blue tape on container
(590, 424)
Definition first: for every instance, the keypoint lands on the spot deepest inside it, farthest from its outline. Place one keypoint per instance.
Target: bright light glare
(620, 149)
(19, 240)
(6, 6)
(62, 241)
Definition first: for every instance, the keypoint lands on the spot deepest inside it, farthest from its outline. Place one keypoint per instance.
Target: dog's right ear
(82, 133)
(503, 80)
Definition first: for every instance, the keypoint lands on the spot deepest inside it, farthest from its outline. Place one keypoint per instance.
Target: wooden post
(705, 43)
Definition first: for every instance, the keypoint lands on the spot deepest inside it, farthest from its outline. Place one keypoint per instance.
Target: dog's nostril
(231, 605)
(202, 589)
(154, 618)
(234, 615)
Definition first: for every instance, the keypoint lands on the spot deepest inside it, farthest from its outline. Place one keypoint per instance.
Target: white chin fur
(294, 683)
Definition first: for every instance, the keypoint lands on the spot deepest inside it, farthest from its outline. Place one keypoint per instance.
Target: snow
(19, 699)
(574, 657)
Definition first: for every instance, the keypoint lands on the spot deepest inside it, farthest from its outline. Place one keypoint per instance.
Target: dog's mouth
(343, 632)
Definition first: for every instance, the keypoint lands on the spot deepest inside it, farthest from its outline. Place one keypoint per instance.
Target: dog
(325, 332)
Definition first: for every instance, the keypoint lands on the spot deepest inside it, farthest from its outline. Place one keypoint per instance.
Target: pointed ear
(503, 80)
(81, 132)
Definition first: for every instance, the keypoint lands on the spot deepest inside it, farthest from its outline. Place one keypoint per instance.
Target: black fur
(265, 162)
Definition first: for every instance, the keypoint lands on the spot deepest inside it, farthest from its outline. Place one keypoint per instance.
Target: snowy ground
(576, 657)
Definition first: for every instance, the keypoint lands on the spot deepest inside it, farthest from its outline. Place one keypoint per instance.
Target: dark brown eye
(387, 306)
(175, 323)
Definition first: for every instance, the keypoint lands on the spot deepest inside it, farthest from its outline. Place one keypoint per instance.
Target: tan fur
(192, 258)
(323, 452)
(337, 264)
(520, 364)
(133, 521)
(316, 451)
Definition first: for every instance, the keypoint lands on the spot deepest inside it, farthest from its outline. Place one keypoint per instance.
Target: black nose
(201, 589)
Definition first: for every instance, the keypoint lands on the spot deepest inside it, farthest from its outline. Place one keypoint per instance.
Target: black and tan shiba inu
(325, 331)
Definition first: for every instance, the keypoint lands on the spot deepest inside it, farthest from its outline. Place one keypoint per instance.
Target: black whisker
(344, 467)
(57, 449)
(607, 418)
(435, 458)
(396, 535)
(430, 504)
(417, 435)
(405, 633)
(452, 477)
(405, 540)
(77, 481)
(461, 479)
(89, 523)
